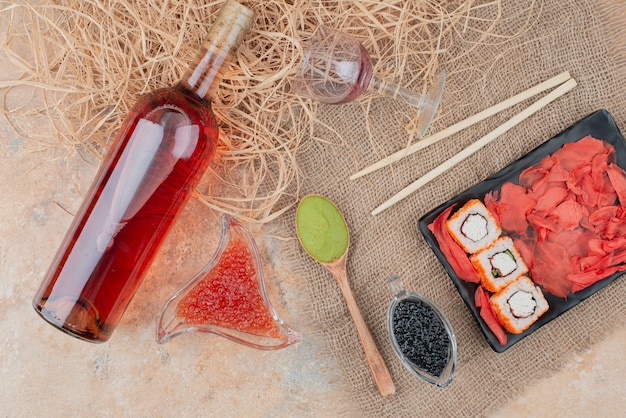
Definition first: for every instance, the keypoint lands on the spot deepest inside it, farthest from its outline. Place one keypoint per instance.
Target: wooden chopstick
(465, 123)
(524, 114)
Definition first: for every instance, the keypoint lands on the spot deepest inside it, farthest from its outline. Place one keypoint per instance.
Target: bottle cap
(227, 32)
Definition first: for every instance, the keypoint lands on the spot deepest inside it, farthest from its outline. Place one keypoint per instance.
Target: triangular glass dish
(228, 298)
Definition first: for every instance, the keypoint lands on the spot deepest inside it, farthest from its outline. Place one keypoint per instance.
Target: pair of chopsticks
(564, 82)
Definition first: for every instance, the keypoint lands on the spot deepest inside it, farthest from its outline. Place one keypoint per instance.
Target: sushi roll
(499, 264)
(518, 305)
(473, 227)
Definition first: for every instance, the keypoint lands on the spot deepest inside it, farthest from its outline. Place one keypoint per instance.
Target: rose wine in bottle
(156, 161)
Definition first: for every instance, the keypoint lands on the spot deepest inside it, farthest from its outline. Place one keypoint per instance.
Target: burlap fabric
(532, 42)
(580, 36)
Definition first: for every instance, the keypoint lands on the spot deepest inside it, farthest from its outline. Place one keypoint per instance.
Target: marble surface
(44, 372)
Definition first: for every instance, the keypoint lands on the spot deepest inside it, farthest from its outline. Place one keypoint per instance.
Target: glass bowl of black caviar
(421, 335)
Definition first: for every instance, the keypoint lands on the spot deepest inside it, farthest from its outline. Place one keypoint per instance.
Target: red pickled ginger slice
(510, 207)
(618, 180)
(568, 215)
(573, 155)
(456, 256)
(548, 197)
(551, 265)
(481, 300)
(583, 280)
(537, 173)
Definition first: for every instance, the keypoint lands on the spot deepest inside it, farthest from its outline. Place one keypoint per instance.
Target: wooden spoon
(323, 233)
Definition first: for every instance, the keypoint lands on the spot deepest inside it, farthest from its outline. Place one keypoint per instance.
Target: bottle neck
(205, 74)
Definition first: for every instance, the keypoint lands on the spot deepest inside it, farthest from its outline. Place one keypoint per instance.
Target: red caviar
(229, 296)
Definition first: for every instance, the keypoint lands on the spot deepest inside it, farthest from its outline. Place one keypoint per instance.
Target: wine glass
(337, 69)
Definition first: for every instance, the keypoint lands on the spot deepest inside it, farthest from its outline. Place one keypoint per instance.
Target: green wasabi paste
(321, 228)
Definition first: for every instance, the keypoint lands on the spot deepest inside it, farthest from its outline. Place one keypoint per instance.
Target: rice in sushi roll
(499, 264)
(518, 305)
(473, 227)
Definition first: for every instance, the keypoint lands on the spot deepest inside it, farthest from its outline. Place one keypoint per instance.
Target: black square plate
(599, 125)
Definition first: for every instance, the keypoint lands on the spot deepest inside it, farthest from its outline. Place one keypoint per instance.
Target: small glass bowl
(244, 294)
(439, 360)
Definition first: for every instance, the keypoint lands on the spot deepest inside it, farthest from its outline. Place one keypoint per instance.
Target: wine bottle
(163, 148)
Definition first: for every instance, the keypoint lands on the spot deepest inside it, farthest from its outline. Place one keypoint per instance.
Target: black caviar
(421, 336)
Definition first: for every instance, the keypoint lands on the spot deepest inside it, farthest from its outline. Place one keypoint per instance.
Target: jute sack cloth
(580, 36)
